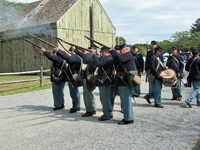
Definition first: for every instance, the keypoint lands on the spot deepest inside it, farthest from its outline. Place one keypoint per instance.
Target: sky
(141, 21)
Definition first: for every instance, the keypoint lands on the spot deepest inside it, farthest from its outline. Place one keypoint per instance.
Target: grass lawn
(13, 88)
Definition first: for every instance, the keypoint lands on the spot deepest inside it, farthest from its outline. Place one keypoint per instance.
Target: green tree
(120, 40)
(166, 45)
(182, 40)
(195, 26)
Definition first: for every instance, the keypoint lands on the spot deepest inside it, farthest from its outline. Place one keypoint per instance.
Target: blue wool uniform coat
(87, 59)
(74, 62)
(153, 66)
(139, 62)
(177, 66)
(148, 58)
(57, 63)
(128, 62)
(106, 64)
(194, 72)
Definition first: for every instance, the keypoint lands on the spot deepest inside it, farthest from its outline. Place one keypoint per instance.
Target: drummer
(156, 66)
(176, 62)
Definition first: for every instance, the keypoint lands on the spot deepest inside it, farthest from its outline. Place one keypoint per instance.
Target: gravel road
(27, 121)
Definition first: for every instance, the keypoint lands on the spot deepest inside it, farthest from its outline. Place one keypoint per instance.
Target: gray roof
(38, 13)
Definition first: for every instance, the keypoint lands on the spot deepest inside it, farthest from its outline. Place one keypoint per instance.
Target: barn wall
(75, 24)
(18, 55)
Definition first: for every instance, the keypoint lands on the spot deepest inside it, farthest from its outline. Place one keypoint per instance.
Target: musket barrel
(49, 44)
(43, 41)
(30, 42)
(34, 44)
(97, 42)
(78, 47)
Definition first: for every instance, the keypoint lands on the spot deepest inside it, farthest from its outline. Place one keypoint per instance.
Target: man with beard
(126, 61)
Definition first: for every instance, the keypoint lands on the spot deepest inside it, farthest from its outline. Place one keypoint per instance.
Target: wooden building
(70, 20)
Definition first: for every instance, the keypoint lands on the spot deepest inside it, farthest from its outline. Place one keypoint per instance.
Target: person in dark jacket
(114, 89)
(193, 67)
(156, 66)
(88, 92)
(126, 61)
(74, 66)
(150, 53)
(139, 62)
(176, 62)
(57, 87)
(103, 81)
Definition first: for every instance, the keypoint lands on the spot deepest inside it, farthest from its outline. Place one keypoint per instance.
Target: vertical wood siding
(75, 24)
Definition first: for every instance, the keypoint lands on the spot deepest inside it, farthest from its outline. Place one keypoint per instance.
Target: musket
(34, 44)
(78, 47)
(97, 42)
(50, 44)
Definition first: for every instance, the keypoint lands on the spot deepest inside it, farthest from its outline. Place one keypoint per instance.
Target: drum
(169, 77)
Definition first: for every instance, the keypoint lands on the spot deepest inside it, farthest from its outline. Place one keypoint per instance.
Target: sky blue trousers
(75, 95)
(195, 92)
(88, 97)
(157, 91)
(105, 101)
(126, 102)
(58, 93)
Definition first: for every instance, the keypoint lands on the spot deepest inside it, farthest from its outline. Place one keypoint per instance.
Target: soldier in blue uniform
(150, 53)
(176, 62)
(193, 67)
(88, 90)
(103, 81)
(126, 61)
(74, 64)
(156, 67)
(57, 87)
(139, 62)
(114, 89)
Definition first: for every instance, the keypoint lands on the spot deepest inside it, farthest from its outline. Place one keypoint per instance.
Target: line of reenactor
(113, 72)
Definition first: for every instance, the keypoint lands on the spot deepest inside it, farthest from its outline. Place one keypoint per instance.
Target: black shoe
(173, 99)
(58, 108)
(94, 112)
(73, 110)
(159, 105)
(147, 97)
(125, 122)
(102, 119)
(188, 104)
(87, 114)
(111, 116)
